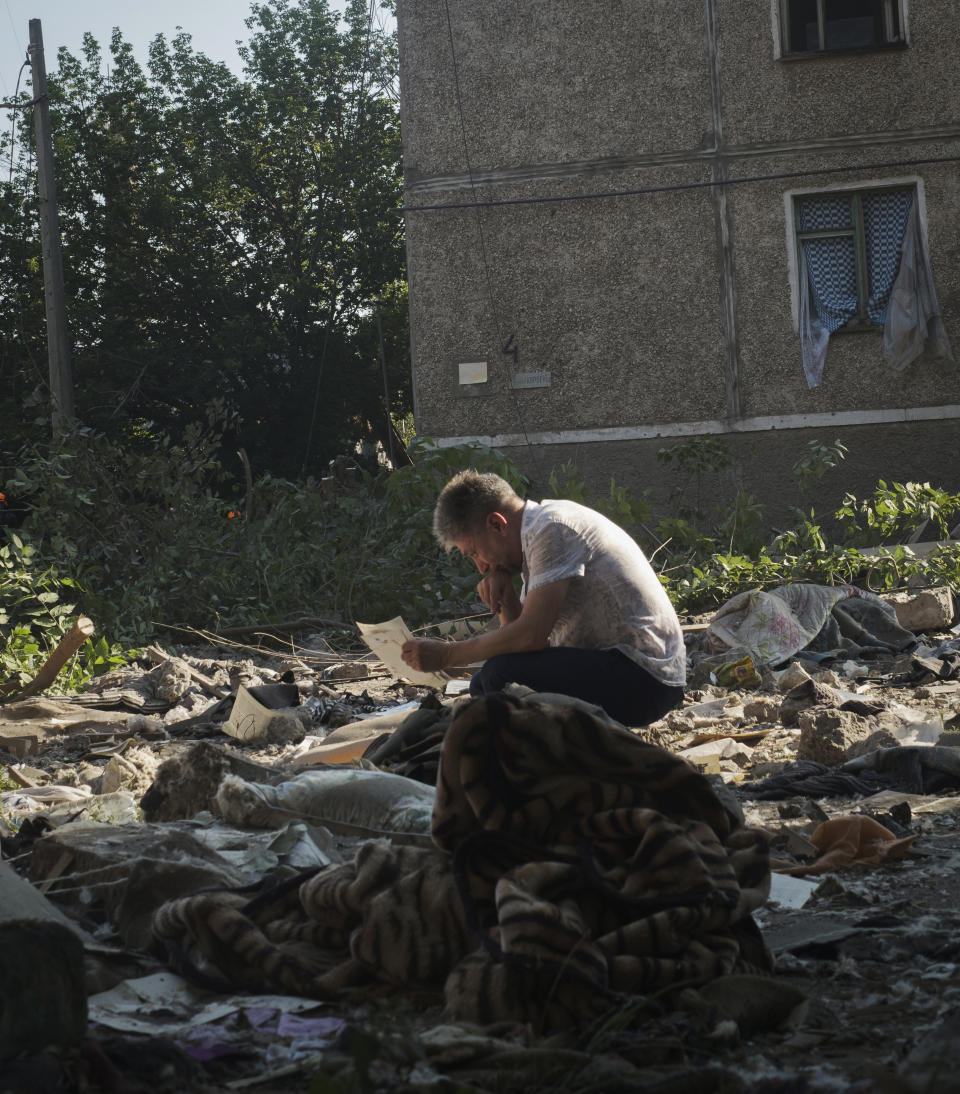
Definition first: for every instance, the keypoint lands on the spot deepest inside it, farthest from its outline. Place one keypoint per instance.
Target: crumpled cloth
(853, 838)
(809, 779)
(575, 864)
(775, 624)
(911, 769)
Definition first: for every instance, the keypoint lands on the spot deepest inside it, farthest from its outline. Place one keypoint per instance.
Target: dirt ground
(863, 1000)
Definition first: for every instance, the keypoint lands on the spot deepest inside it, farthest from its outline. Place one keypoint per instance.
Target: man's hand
(497, 592)
(426, 654)
(528, 631)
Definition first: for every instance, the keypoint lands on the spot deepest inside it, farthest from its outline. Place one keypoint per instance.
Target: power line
(552, 199)
(13, 27)
(13, 117)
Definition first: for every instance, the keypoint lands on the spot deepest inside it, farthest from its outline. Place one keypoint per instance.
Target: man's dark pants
(606, 678)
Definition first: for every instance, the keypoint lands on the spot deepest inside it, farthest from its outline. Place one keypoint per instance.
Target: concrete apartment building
(632, 222)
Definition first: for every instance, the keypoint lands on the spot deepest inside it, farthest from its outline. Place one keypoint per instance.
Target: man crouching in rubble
(592, 619)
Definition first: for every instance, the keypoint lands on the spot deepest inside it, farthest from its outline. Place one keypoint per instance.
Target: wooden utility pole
(58, 342)
(386, 393)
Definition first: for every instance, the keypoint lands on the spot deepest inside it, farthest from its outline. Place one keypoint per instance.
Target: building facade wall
(601, 195)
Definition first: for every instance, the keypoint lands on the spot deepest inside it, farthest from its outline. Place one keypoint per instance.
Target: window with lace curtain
(850, 244)
(862, 264)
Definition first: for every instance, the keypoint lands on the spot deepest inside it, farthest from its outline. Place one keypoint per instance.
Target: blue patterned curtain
(884, 224)
(831, 262)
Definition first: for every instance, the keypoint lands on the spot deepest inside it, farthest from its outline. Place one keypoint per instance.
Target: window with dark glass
(820, 26)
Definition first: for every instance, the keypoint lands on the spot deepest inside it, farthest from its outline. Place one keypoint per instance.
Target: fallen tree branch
(301, 653)
(288, 624)
(20, 780)
(69, 644)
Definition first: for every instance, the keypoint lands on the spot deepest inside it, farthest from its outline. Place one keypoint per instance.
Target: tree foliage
(151, 538)
(224, 237)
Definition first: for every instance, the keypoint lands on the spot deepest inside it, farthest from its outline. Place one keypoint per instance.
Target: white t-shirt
(615, 599)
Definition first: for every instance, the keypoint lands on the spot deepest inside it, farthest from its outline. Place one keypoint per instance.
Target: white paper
(166, 1003)
(791, 892)
(249, 718)
(386, 640)
(919, 733)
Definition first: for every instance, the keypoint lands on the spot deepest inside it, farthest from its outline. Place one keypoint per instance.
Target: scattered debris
(196, 800)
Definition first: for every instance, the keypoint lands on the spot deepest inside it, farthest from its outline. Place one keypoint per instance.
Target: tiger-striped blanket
(574, 864)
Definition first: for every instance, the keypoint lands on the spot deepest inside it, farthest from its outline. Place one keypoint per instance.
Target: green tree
(224, 237)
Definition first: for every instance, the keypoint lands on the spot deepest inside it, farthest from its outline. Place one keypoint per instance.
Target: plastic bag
(374, 801)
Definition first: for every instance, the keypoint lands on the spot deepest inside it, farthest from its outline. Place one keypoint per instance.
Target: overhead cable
(552, 199)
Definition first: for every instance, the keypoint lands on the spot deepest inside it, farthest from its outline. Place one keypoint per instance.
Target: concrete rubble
(159, 783)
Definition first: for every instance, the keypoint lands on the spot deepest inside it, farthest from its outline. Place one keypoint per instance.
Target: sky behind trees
(216, 25)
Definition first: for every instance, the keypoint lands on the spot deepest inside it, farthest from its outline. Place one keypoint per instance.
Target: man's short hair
(465, 502)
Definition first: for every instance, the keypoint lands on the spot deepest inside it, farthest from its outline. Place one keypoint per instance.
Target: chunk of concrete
(804, 696)
(828, 677)
(792, 676)
(708, 755)
(763, 709)
(187, 784)
(827, 734)
(923, 609)
(880, 738)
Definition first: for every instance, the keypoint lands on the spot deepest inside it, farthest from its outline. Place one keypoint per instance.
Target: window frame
(894, 11)
(860, 323)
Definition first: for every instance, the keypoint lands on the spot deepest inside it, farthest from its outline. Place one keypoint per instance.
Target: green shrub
(896, 511)
(816, 462)
(153, 531)
(34, 617)
(618, 504)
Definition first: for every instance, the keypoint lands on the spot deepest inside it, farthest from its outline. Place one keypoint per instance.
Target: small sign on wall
(473, 372)
(470, 379)
(536, 378)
